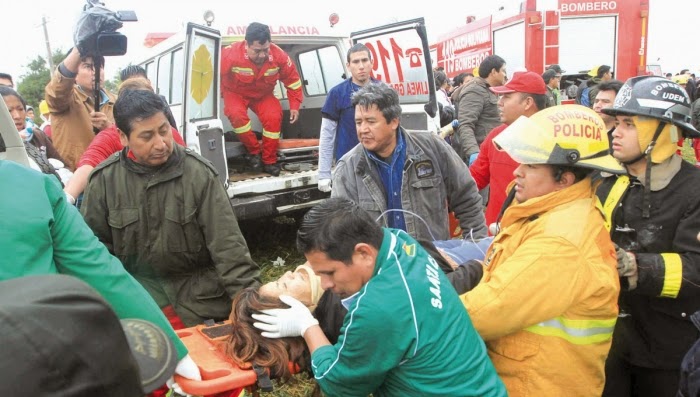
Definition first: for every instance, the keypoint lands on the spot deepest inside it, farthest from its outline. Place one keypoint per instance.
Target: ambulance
(575, 34)
(185, 68)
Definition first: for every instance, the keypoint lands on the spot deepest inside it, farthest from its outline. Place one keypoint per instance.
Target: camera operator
(71, 99)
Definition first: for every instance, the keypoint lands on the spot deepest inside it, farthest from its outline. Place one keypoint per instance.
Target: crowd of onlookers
(589, 284)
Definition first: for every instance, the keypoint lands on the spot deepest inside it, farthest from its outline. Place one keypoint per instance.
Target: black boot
(255, 163)
(272, 169)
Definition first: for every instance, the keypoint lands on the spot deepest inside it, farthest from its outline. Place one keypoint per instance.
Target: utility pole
(48, 44)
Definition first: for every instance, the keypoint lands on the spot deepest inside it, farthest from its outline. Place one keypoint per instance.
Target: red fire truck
(577, 35)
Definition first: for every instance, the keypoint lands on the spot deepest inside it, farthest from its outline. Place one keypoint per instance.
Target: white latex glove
(172, 385)
(282, 323)
(64, 174)
(188, 369)
(56, 163)
(324, 185)
(70, 199)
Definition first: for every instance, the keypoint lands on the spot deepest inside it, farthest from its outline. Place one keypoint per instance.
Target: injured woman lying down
(459, 259)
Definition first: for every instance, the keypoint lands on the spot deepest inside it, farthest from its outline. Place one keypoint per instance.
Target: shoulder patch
(201, 159)
(409, 249)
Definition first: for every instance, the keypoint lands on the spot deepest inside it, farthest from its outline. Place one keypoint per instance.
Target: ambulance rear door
(203, 127)
(401, 57)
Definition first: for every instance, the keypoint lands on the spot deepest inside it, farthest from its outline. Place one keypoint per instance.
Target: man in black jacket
(653, 214)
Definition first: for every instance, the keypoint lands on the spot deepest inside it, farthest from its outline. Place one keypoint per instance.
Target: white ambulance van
(185, 68)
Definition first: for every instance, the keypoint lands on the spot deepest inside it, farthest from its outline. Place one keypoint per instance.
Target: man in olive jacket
(477, 111)
(161, 209)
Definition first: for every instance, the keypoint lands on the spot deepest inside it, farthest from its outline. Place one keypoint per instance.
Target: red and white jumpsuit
(246, 85)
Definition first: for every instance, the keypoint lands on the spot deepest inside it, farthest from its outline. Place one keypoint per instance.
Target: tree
(113, 84)
(34, 82)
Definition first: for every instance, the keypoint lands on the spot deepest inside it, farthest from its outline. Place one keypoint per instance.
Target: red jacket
(493, 168)
(106, 143)
(240, 75)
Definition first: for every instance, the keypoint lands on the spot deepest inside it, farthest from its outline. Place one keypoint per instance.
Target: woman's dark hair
(440, 79)
(7, 91)
(247, 346)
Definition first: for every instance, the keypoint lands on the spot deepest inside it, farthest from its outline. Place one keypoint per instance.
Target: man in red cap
(523, 95)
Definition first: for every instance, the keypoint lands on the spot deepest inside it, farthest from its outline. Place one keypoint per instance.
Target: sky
(671, 23)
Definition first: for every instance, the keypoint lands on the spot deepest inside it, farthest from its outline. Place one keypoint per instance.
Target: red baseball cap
(527, 82)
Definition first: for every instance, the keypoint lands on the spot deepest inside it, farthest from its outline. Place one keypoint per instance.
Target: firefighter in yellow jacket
(547, 302)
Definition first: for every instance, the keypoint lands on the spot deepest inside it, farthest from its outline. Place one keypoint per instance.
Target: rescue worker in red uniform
(249, 72)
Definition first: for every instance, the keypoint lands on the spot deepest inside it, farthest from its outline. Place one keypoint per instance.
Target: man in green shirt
(405, 333)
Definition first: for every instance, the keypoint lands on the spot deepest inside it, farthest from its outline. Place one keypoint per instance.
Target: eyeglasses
(558, 76)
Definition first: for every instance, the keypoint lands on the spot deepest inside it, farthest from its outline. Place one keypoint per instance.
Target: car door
(401, 57)
(14, 147)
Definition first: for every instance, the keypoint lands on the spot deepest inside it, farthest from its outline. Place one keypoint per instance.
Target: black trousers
(623, 379)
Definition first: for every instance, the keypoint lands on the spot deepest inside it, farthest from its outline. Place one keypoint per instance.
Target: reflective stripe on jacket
(547, 303)
(240, 75)
(658, 331)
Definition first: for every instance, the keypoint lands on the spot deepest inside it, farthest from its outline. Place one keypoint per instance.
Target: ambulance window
(164, 75)
(311, 70)
(151, 71)
(320, 70)
(177, 77)
(332, 63)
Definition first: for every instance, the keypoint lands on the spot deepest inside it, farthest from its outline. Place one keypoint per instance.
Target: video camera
(97, 30)
(96, 35)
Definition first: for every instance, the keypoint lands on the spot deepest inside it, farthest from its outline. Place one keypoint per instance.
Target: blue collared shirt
(391, 172)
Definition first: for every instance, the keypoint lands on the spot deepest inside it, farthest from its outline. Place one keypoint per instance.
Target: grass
(270, 240)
